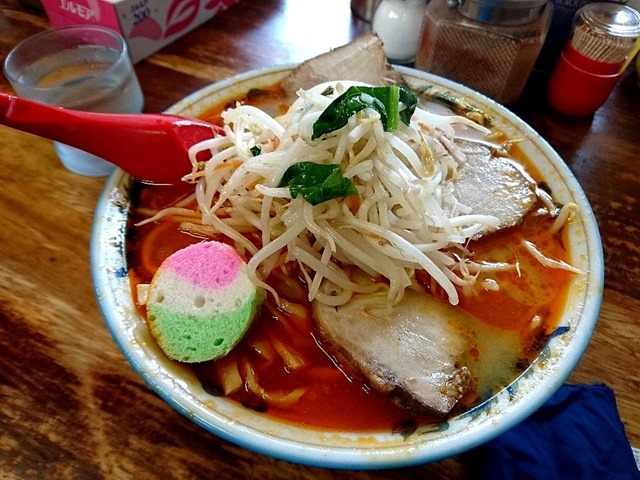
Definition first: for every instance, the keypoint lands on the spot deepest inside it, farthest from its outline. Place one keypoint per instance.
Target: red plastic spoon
(151, 147)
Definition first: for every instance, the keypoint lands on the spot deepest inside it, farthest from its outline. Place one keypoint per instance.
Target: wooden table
(72, 407)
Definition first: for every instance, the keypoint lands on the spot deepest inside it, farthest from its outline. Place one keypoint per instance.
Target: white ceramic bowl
(352, 450)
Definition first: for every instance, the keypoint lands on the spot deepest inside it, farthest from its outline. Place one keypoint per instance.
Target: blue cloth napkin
(577, 434)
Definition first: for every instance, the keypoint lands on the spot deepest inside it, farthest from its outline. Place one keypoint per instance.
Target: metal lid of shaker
(502, 12)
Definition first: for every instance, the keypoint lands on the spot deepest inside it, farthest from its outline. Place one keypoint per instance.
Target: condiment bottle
(488, 45)
(602, 43)
(398, 24)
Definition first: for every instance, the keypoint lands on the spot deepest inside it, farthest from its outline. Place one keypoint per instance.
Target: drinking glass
(79, 67)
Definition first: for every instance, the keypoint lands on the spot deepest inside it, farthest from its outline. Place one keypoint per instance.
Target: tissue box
(147, 25)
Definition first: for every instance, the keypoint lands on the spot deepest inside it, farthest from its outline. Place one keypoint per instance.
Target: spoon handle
(151, 147)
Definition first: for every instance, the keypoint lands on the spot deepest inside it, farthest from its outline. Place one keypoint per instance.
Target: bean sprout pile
(405, 216)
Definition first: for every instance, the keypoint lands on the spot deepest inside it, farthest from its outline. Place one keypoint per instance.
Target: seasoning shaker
(488, 45)
(603, 41)
(398, 24)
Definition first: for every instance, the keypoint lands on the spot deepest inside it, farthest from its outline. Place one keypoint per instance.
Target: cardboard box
(147, 25)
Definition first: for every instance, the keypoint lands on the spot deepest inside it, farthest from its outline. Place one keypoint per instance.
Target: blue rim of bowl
(496, 415)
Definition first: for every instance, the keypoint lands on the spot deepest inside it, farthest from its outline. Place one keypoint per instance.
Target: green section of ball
(191, 338)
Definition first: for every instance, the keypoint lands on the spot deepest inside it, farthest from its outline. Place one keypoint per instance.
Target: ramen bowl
(352, 450)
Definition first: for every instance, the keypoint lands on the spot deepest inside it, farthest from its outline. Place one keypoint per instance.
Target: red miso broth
(286, 371)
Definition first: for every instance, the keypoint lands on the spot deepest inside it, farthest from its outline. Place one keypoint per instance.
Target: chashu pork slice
(493, 185)
(362, 60)
(412, 351)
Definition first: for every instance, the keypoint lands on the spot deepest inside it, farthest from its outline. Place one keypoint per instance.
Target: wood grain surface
(71, 407)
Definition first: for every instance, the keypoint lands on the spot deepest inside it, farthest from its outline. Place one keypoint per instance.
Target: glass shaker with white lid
(398, 24)
(488, 45)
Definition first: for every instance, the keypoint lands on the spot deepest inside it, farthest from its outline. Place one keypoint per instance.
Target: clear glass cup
(79, 67)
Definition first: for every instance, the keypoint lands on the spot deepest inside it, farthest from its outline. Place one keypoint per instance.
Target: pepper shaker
(488, 45)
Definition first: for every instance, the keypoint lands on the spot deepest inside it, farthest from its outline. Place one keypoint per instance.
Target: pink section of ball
(209, 265)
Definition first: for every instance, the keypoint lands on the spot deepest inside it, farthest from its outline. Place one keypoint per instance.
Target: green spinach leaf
(385, 100)
(255, 150)
(316, 183)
